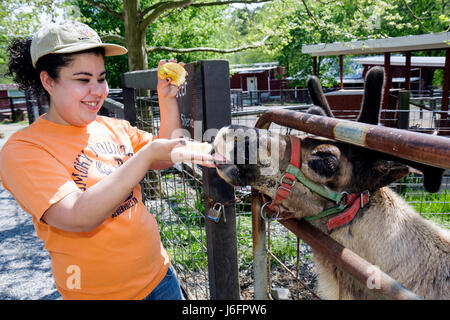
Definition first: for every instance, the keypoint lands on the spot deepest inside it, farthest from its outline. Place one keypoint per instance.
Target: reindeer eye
(324, 163)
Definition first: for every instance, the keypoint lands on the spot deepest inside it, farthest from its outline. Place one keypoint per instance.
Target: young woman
(78, 173)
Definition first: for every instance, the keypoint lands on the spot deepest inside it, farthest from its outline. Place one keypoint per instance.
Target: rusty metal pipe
(424, 148)
(348, 261)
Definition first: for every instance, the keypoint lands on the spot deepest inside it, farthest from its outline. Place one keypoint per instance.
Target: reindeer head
(259, 158)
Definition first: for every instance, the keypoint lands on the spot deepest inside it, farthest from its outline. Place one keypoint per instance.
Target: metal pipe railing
(423, 148)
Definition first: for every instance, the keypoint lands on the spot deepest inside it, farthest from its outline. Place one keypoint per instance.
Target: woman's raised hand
(164, 88)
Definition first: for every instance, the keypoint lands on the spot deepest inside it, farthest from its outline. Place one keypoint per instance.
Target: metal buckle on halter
(284, 188)
(264, 216)
(344, 196)
(291, 184)
(361, 197)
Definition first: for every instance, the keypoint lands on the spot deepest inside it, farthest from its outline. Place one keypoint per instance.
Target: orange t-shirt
(123, 258)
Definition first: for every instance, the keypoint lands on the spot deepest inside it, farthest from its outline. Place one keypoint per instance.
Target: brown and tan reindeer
(333, 177)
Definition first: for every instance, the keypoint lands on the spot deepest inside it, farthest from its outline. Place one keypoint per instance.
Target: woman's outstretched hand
(172, 150)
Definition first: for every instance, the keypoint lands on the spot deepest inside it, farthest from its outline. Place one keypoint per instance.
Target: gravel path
(25, 271)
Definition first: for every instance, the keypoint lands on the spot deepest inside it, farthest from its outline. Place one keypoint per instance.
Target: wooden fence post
(205, 103)
(221, 237)
(129, 102)
(403, 109)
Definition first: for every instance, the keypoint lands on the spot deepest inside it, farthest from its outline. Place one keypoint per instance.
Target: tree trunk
(134, 36)
(137, 60)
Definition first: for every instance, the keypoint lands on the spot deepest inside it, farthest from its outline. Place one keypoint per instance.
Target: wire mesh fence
(174, 196)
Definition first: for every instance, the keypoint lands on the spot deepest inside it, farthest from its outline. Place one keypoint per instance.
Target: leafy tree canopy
(311, 22)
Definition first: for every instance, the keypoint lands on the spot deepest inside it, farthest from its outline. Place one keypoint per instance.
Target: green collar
(321, 190)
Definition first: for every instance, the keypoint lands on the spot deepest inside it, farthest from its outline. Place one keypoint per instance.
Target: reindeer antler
(317, 96)
(373, 87)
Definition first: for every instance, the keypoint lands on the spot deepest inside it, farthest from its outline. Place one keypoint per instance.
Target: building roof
(370, 46)
(253, 68)
(434, 62)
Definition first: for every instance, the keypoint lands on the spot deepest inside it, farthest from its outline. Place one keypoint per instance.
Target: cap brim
(110, 49)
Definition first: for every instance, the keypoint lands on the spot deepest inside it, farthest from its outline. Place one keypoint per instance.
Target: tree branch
(415, 17)
(311, 15)
(153, 7)
(208, 49)
(106, 9)
(115, 37)
(159, 8)
(218, 3)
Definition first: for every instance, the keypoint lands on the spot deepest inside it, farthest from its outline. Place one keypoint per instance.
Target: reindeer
(384, 229)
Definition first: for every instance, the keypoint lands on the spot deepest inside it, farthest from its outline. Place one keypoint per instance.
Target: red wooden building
(11, 99)
(258, 77)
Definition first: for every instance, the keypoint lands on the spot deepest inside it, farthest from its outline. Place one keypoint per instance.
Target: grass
(432, 206)
(186, 246)
(22, 122)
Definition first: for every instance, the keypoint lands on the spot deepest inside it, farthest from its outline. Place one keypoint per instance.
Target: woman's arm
(169, 113)
(83, 211)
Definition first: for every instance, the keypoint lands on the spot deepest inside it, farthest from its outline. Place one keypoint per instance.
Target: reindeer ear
(316, 110)
(380, 173)
(432, 176)
(317, 96)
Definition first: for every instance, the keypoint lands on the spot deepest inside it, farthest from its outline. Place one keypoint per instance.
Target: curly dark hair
(28, 77)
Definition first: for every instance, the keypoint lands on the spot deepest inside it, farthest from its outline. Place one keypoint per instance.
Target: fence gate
(179, 197)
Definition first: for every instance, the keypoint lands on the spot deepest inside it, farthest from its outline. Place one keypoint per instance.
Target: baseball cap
(68, 37)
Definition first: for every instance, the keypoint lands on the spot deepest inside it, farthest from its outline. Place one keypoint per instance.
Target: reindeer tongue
(218, 158)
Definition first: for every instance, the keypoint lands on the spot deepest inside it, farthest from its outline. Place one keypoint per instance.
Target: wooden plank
(403, 108)
(385, 116)
(114, 106)
(142, 79)
(190, 102)
(408, 70)
(221, 236)
(129, 100)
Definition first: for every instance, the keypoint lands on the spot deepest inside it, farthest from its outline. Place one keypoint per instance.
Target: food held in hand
(198, 147)
(174, 71)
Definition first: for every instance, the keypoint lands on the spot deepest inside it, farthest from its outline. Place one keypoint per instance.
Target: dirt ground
(25, 269)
